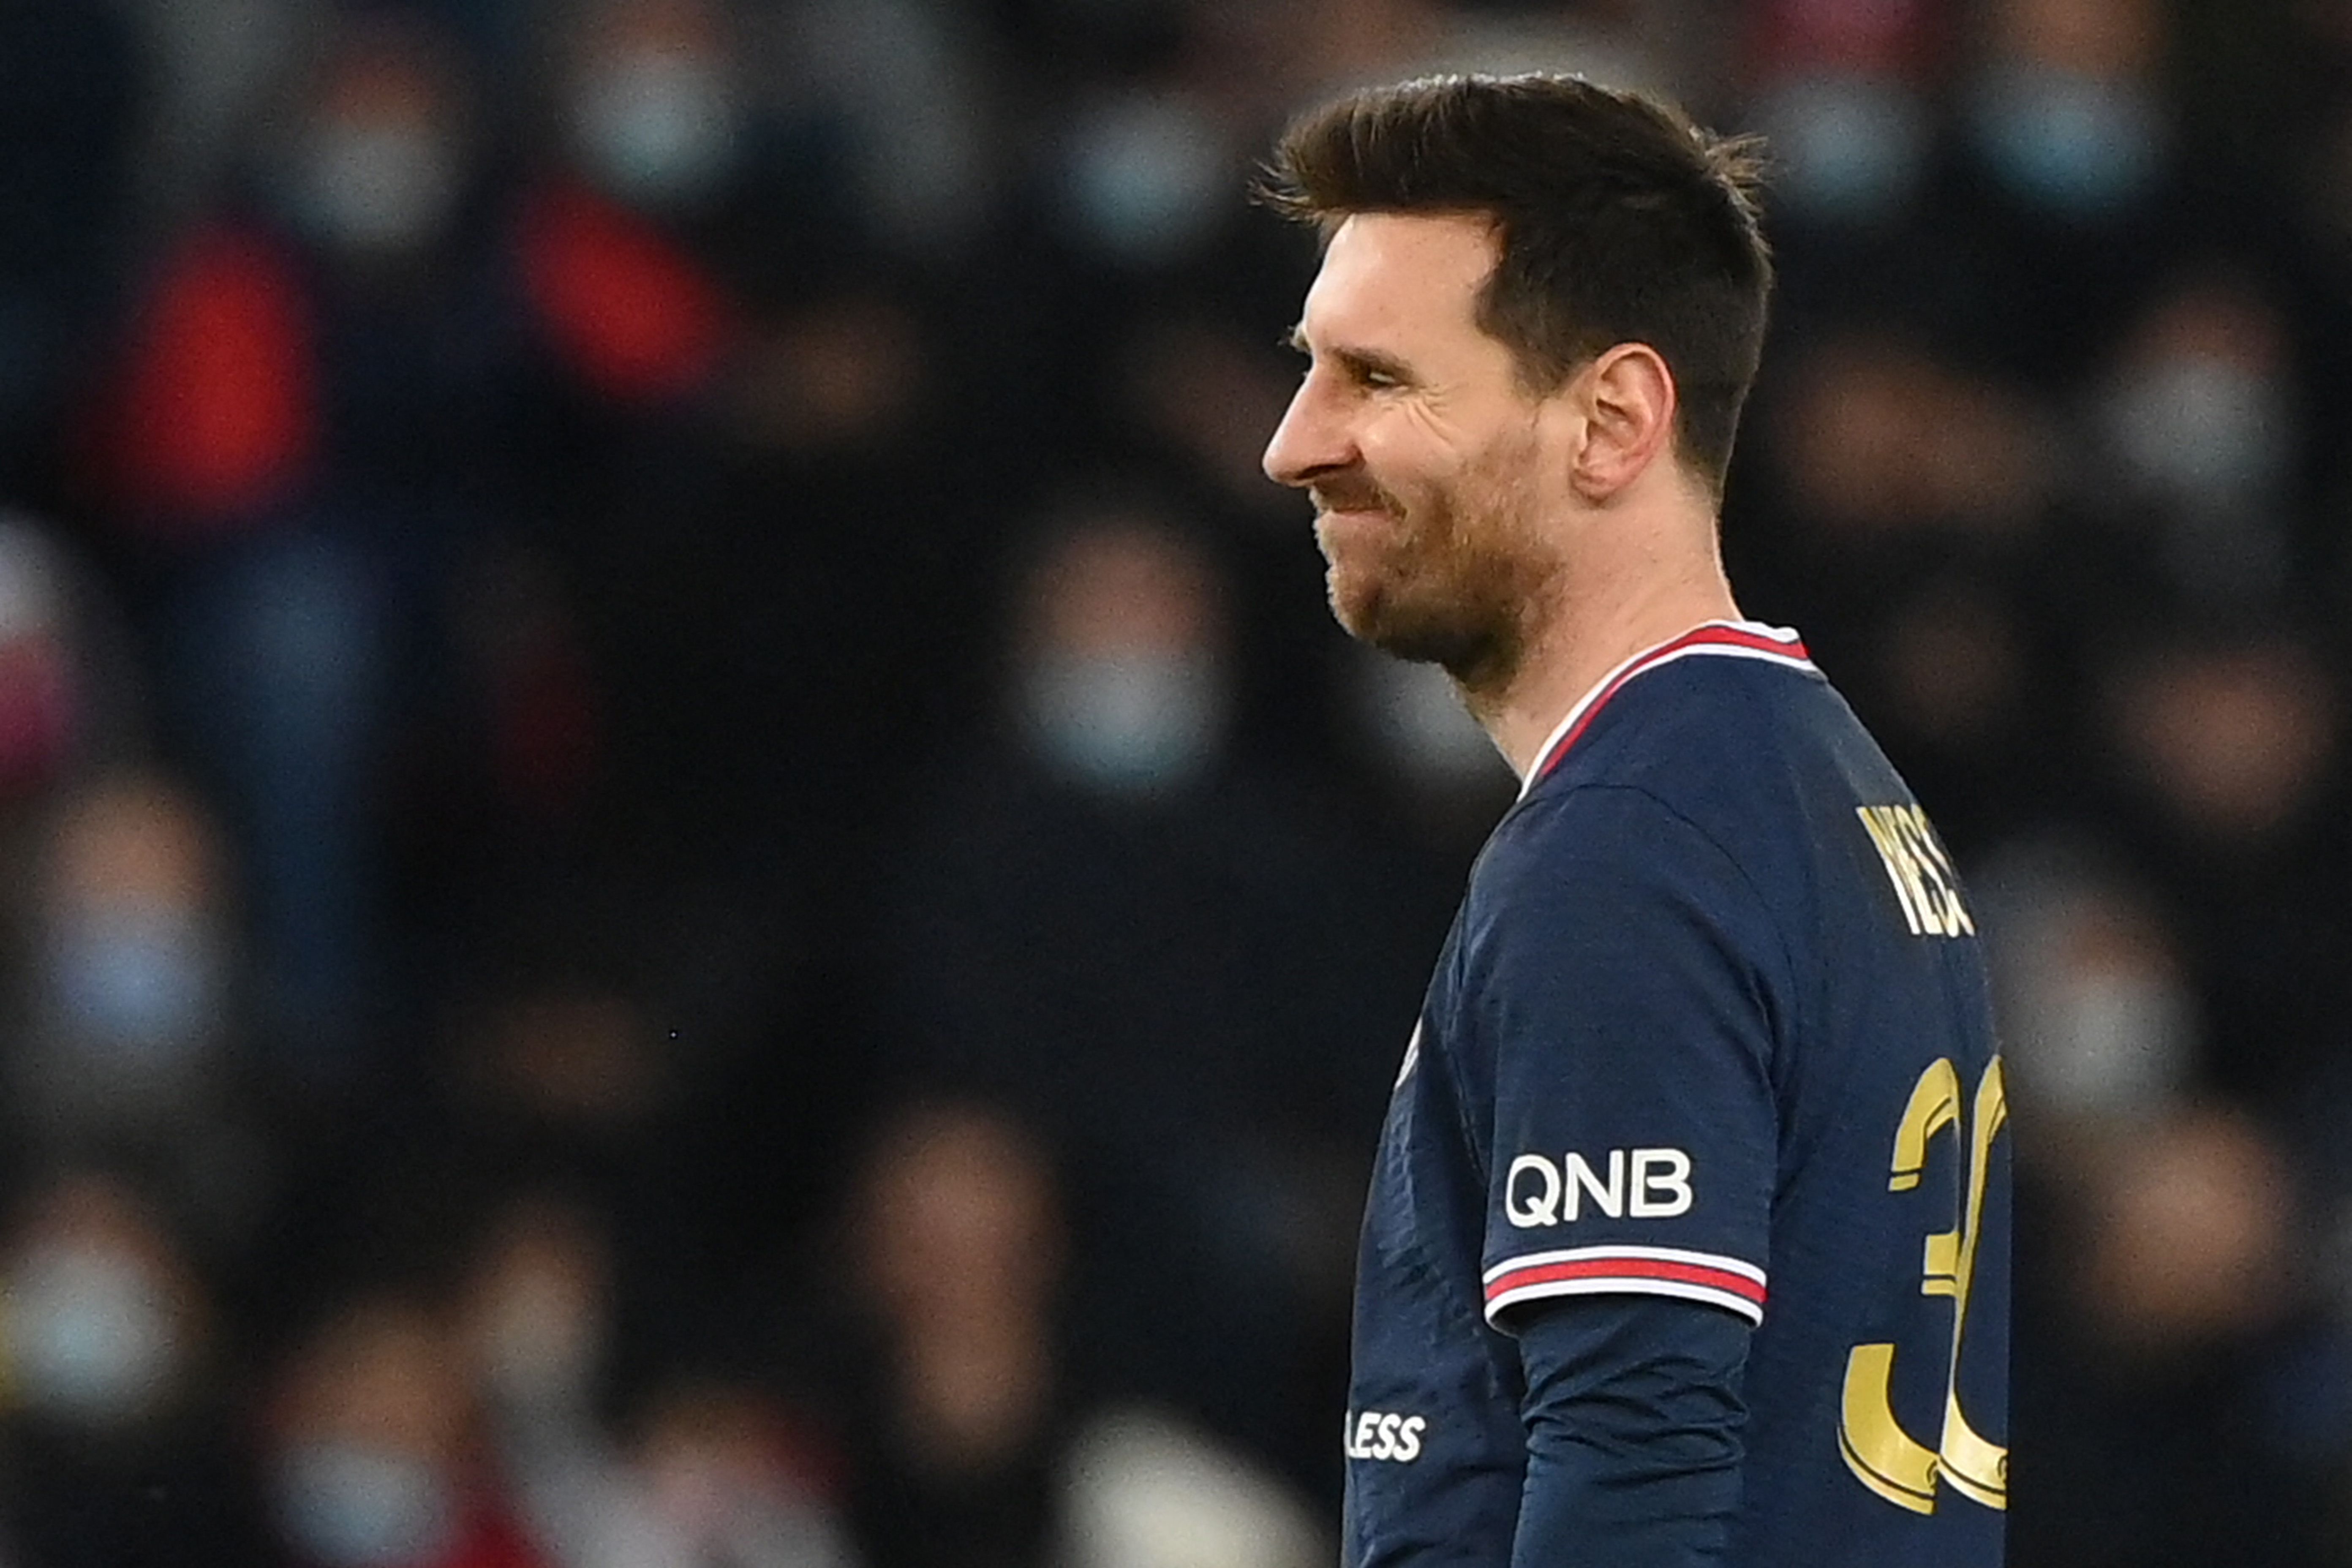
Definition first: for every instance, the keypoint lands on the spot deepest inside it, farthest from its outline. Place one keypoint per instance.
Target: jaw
(1360, 560)
(1423, 618)
(1436, 593)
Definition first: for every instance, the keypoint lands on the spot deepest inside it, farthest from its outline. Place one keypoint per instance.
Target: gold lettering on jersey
(1925, 883)
(1881, 1454)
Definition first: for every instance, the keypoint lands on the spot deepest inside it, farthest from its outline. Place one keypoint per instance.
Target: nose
(1309, 441)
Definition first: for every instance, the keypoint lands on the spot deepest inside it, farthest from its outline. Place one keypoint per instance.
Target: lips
(1329, 504)
(1359, 495)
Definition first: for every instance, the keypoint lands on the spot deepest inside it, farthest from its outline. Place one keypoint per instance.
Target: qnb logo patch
(1637, 1183)
(1385, 1435)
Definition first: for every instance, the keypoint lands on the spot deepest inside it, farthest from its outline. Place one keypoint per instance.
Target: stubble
(1453, 577)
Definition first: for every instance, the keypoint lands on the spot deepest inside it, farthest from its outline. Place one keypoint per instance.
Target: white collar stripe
(1732, 639)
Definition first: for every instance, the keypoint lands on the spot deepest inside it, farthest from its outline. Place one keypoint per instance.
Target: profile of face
(1428, 460)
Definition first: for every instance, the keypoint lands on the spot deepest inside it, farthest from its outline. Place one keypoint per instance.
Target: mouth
(1352, 496)
(1352, 506)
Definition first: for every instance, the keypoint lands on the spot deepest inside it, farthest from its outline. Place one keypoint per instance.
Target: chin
(1416, 635)
(1358, 602)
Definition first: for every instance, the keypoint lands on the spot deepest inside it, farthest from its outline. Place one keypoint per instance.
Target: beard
(1450, 575)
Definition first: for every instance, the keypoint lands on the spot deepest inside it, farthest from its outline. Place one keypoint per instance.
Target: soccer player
(1687, 1234)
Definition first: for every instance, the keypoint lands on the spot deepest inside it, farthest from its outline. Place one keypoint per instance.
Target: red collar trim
(1736, 640)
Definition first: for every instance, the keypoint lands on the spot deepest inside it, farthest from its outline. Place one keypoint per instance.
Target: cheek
(1404, 455)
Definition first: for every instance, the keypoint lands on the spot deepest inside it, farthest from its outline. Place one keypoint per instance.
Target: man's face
(1429, 462)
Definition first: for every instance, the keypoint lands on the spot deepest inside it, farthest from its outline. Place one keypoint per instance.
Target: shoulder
(1590, 827)
(1715, 778)
(1746, 749)
(1703, 720)
(1611, 878)
(1619, 869)
(1700, 751)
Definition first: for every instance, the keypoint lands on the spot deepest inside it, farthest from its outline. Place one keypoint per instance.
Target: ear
(1627, 401)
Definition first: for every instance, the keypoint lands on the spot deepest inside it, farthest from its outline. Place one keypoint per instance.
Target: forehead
(1405, 279)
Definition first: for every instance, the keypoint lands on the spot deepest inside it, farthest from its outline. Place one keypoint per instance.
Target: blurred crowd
(694, 879)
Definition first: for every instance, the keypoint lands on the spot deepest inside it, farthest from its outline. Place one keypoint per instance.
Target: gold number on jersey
(1881, 1454)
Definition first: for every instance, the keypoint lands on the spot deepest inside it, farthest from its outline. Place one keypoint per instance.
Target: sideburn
(1502, 571)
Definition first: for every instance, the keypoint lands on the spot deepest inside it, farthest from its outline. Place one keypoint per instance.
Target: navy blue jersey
(1712, 1026)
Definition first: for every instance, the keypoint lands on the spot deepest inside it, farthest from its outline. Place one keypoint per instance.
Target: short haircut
(1620, 221)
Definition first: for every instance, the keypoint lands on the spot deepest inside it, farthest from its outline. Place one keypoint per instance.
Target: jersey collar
(1733, 639)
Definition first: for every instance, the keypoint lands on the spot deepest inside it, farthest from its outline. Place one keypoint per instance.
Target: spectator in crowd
(304, 422)
(958, 1254)
(133, 965)
(984, 1445)
(123, 1388)
(719, 1483)
(1202, 1080)
(708, 1480)
(375, 1452)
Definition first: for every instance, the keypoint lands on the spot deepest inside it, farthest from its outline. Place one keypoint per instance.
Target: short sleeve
(1626, 982)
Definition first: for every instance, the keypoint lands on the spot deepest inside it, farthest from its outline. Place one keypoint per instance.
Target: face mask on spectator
(351, 1505)
(1425, 730)
(2067, 141)
(376, 186)
(1145, 177)
(89, 1334)
(1851, 146)
(2107, 1041)
(2200, 428)
(139, 983)
(658, 128)
(1131, 722)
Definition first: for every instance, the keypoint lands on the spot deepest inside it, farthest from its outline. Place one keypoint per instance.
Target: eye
(1364, 371)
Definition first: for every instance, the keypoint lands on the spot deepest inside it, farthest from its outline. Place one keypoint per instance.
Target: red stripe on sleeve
(1629, 1268)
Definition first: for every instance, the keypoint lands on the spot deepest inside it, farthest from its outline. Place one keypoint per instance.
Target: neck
(1597, 616)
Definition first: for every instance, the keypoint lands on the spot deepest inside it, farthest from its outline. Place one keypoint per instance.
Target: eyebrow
(1358, 361)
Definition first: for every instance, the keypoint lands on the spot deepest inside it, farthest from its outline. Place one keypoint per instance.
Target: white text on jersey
(1922, 873)
(1383, 1434)
(1652, 1183)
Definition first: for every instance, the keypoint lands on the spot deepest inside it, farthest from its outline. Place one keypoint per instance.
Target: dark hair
(1620, 221)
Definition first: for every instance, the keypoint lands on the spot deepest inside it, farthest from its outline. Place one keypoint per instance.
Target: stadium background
(694, 877)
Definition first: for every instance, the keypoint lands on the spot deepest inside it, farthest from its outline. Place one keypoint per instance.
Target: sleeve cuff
(1708, 1276)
